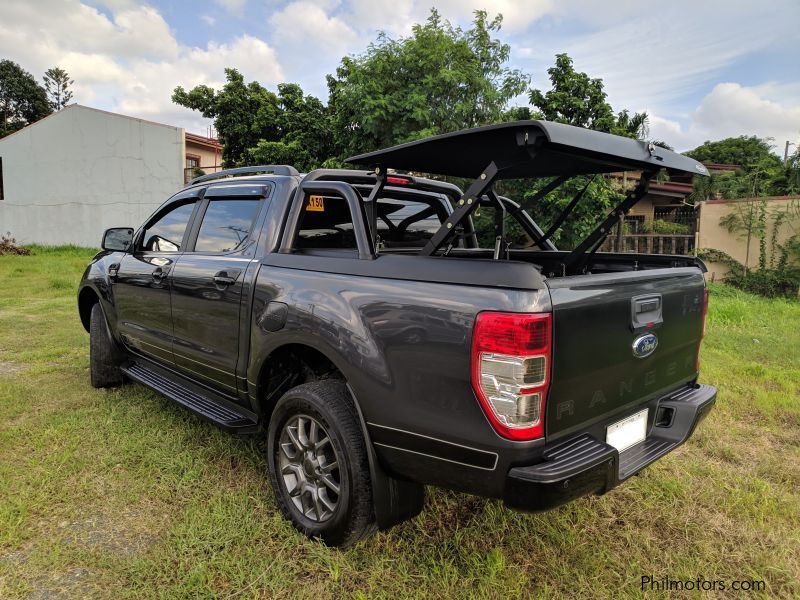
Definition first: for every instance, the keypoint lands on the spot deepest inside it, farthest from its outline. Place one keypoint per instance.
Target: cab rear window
(328, 224)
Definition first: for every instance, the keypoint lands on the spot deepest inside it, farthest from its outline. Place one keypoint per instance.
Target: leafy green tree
(57, 84)
(745, 151)
(22, 100)
(258, 126)
(243, 113)
(574, 98)
(761, 172)
(304, 136)
(441, 78)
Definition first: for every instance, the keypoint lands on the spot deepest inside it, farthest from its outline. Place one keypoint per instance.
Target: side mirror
(117, 238)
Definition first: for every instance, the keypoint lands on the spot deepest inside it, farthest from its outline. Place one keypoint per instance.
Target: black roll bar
(366, 250)
(575, 261)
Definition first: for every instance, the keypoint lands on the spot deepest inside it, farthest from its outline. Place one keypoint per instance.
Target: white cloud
(656, 58)
(398, 16)
(731, 109)
(305, 24)
(235, 7)
(208, 20)
(147, 92)
(129, 62)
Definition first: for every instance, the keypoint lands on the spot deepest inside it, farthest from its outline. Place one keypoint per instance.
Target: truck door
(208, 285)
(141, 281)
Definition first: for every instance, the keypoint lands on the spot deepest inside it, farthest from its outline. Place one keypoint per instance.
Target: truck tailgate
(597, 320)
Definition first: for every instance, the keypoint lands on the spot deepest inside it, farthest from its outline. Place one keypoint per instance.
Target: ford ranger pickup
(356, 321)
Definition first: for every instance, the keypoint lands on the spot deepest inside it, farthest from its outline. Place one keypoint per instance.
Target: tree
(258, 126)
(57, 83)
(574, 98)
(760, 173)
(304, 136)
(441, 78)
(22, 100)
(243, 113)
(745, 151)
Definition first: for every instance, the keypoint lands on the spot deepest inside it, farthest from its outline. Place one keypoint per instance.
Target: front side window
(226, 225)
(165, 234)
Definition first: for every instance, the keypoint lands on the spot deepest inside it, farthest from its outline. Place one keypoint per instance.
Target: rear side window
(407, 223)
(165, 234)
(226, 225)
(326, 223)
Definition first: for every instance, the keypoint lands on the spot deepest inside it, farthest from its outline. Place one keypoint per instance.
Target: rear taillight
(703, 330)
(511, 356)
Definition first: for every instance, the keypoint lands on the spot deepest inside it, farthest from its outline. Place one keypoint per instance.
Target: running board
(204, 402)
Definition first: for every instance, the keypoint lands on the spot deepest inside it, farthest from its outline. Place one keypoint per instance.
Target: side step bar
(204, 402)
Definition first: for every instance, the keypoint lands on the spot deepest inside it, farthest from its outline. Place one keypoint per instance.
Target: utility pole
(786, 152)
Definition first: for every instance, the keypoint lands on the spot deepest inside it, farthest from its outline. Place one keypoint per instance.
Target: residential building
(71, 175)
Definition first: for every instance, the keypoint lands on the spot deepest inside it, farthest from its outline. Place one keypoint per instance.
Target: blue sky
(702, 69)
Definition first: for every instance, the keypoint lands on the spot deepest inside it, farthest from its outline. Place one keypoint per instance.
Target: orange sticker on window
(316, 203)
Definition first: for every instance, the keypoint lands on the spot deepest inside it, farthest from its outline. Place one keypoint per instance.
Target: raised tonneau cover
(559, 150)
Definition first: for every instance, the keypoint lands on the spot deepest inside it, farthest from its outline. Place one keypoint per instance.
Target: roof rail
(255, 170)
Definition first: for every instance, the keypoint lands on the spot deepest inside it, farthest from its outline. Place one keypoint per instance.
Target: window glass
(408, 224)
(166, 234)
(326, 223)
(226, 225)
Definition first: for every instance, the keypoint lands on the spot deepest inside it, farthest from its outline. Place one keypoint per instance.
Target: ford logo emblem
(645, 345)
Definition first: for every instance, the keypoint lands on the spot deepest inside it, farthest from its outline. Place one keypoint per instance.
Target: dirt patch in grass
(8, 368)
(127, 533)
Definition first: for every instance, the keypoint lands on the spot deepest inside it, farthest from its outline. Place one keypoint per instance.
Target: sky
(702, 69)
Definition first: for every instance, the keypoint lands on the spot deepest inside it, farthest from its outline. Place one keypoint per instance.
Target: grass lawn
(121, 493)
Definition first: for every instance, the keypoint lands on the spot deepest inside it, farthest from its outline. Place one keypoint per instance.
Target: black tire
(331, 406)
(103, 353)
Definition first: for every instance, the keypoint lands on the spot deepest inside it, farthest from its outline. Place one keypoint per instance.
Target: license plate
(631, 430)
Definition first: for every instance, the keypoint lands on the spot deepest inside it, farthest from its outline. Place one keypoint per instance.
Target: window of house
(634, 224)
(192, 161)
(165, 234)
(226, 225)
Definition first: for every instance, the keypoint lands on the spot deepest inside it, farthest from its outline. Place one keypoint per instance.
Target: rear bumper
(585, 465)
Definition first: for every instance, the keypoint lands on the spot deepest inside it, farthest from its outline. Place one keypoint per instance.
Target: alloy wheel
(309, 468)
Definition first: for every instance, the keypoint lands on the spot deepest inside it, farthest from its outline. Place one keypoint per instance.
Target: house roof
(528, 149)
(203, 140)
(80, 107)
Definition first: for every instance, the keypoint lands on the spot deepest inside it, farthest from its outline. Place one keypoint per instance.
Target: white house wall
(74, 174)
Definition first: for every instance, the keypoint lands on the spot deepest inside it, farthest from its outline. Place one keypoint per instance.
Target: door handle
(226, 278)
(159, 274)
(113, 270)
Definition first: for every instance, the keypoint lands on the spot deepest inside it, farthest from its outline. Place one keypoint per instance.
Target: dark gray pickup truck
(353, 317)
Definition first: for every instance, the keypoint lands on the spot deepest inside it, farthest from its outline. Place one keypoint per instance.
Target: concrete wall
(713, 235)
(72, 175)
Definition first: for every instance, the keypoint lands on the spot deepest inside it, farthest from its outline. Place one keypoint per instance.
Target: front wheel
(318, 463)
(103, 355)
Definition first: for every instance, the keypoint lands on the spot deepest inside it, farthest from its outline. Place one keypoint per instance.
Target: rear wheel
(103, 354)
(318, 463)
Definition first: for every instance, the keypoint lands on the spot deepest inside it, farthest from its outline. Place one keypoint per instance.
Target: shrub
(8, 245)
(768, 283)
(783, 281)
(665, 227)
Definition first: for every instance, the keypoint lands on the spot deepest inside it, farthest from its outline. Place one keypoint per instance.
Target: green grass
(122, 494)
